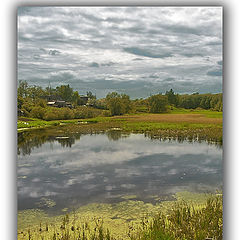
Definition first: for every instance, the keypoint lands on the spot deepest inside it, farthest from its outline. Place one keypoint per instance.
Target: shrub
(157, 103)
(37, 112)
(86, 112)
(118, 104)
(66, 113)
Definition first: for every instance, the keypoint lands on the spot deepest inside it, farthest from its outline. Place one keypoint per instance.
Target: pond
(66, 172)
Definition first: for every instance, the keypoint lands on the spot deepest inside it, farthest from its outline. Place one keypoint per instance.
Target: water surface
(107, 168)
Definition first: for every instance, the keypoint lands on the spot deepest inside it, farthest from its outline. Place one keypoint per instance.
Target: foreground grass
(184, 221)
(181, 219)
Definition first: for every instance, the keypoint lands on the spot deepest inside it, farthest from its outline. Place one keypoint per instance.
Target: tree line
(32, 102)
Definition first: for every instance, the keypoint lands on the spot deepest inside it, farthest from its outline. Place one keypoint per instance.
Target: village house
(59, 104)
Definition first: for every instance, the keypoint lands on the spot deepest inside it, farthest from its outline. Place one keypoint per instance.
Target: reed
(182, 220)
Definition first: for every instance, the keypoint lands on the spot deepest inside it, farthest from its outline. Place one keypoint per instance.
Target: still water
(105, 168)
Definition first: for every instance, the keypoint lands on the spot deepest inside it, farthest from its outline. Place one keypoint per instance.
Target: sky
(139, 51)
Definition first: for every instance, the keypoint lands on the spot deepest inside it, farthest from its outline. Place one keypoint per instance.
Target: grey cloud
(217, 72)
(108, 64)
(90, 17)
(182, 29)
(170, 79)
(192, 54)
(153, 76)
(43, 50)
(96, 48)
(94, 64)
(146, 53)
(219, 42)
(220, 62)
(137, 59)
(54, 52)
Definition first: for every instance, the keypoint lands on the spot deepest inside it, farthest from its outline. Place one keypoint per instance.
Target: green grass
(203, 125)
(185, 221)
(33, 122)
(207, 113)
(147, 126)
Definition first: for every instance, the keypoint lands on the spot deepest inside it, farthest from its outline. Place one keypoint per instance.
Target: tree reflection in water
(29, 140)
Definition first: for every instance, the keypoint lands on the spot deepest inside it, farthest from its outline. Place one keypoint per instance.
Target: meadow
(178, 124)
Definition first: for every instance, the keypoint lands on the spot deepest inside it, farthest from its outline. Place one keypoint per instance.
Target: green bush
(118, 104)
(66, 113)
(37, 112)
(87, 112)
(157, 103)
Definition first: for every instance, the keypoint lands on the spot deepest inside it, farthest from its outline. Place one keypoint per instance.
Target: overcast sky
(134, 50)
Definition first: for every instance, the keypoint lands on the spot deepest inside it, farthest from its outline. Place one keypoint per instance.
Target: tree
(76, 98)
(157, 103)
(35, 92)
(118, 104)
(22, 89)
(90, 95)
(65, 92)
(172, 98)
(126, 102)
(114, 103)
(19, 102)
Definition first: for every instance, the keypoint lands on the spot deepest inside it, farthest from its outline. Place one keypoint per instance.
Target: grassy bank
(190, 216)
(179, 124)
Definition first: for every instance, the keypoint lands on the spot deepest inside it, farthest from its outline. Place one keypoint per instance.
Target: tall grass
(185, 222)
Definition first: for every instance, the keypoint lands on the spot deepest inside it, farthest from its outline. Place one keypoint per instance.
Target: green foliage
(65, 92)
(52, 113)
(157, 103)
(172, 98)
(118, 104)
(186, 221)
(141, 105)
(22, 89)
(90, 95)
(20, 101)
(76, 98)
(37, 112)
(83, 112)
(97, 103)
(204, 101)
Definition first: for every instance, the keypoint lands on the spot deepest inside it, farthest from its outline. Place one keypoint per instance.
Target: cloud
(54, 52)
(192, 54)
(94, 64)
(217, 72)
(134, 164)
(170, 79)
(119, 48)
(146, 53)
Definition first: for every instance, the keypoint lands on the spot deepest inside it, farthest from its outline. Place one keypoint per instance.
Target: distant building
(59, 104)
(84, 99)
